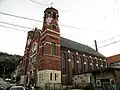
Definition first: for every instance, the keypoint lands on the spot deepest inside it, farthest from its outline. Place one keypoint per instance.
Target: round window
(54, 26)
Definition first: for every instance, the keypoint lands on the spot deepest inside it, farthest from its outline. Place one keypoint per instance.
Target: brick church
(50, 58)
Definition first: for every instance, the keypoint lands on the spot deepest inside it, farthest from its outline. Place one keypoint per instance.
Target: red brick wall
(117, 78)
(113, 59)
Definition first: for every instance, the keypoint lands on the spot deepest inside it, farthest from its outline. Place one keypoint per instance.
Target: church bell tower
(49, 68)
(51, 19)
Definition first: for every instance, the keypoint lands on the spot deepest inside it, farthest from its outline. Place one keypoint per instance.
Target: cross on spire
(51, 4)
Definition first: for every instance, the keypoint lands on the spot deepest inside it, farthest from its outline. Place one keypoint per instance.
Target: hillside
(8, 63)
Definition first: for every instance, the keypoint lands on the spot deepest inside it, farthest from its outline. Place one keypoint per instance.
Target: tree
(8, 63)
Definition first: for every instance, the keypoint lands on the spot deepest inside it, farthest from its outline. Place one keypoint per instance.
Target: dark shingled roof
(78, 46)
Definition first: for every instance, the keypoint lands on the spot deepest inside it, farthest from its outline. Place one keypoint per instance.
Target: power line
(42, 21)
(106, 40)
(22, 30)
(87, 51)
(39, 3)
(20, 17)
(110, 44)
(70, 26)
(106, 45)
(15, 25)
(13, 28)
(45, 5)
(109, 39)
(36, 20)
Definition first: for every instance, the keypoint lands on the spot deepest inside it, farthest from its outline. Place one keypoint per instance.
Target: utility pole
(96, 45)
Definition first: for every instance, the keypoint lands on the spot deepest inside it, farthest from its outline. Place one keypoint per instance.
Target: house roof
(78, 46)
(113, 59)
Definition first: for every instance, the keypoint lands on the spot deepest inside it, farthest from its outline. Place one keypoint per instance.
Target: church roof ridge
(78, 46)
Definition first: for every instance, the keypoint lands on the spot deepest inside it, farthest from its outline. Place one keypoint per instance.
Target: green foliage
(9, 62)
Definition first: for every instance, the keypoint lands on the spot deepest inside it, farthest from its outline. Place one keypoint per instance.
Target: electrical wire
(105, 45)
(15, 25)
(109, 39)
(110, 44)
(87, 51)
(20, 17)
(46, 5)
(36, 20)
(42, 21)
(13, 28)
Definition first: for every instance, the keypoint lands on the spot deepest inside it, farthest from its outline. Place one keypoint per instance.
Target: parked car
(17, 88)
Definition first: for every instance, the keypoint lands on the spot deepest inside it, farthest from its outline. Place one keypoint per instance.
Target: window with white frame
(34, 47)
(50, 76)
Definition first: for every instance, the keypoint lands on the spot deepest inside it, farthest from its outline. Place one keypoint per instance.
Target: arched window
(79, 65)
(55, 76)
(54, 15)
(34, 47)
(64, 63)
(50, 76)
(53, 48)
(86, 65)
(42, 50)
(91, 64)
(73, 63)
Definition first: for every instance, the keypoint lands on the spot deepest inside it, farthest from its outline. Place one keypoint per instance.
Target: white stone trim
(50, 31)
(53, 31)
(96, 64)
(32, 55)
(106, 66)
(85, 63)
(90, 57)
(41, 46)
(58, 45)
(77, 61)
(68, 51)
(91, 64)
(53, 55)
(47, 43)
(50, 43)
(50, 35)
(95, 57)
(44, 77)
(69, 60)
(76, 53)
(105, 60)
(83, 54)
(101, 65)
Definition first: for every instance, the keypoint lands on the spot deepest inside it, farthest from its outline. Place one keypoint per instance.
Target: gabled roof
(78, 47)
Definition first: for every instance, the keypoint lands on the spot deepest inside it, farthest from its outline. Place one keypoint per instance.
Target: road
(3, 83)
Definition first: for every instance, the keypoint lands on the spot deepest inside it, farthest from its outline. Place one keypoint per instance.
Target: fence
(58, 86)
(55, 86)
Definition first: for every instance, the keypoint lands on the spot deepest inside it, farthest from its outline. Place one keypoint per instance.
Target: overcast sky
(98, 19)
